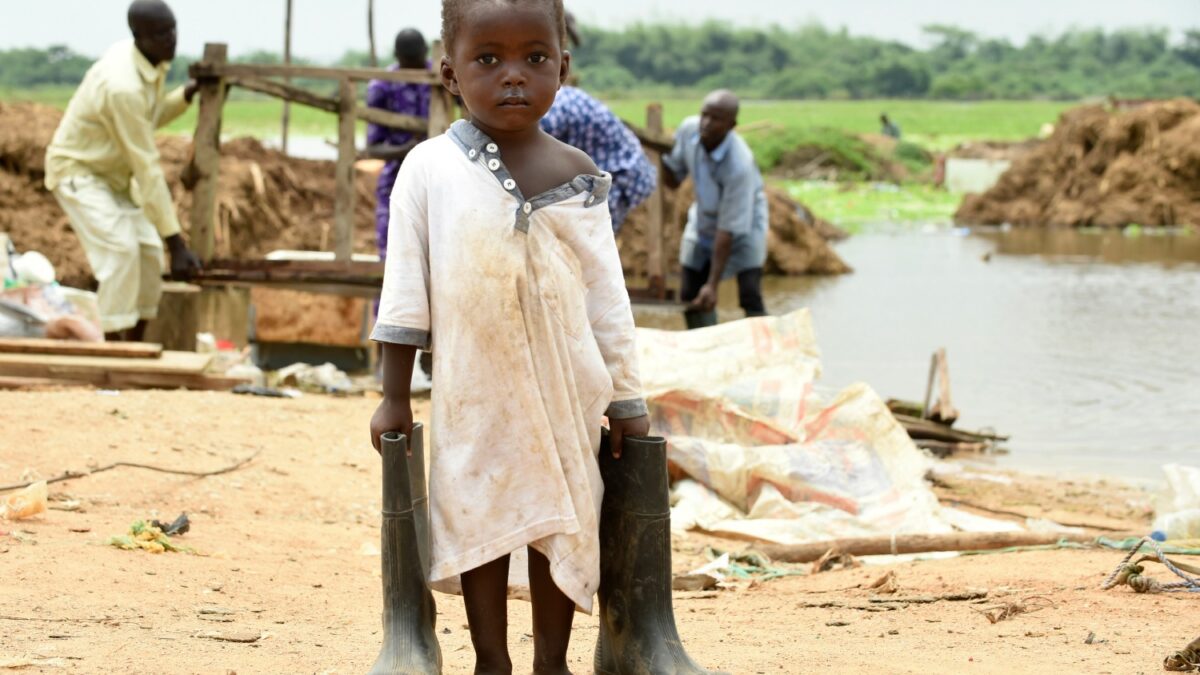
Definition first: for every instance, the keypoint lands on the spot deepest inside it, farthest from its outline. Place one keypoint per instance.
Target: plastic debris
(26, 503)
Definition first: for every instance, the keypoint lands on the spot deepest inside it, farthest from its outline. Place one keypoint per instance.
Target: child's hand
(619, 429)
(391, 415)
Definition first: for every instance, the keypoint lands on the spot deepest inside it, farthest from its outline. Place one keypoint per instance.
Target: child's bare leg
(485, 594)
(553, 613)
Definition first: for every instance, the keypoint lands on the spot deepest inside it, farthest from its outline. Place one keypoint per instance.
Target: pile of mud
(266, 201)
(798, 242)
(1103, 169)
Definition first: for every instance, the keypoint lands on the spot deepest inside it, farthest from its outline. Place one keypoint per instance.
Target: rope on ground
(68, 475)
(1130, 573)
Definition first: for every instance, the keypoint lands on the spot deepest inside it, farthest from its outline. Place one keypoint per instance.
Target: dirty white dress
(523, 304)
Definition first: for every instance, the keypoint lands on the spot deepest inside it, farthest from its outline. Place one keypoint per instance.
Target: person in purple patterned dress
(390, 144)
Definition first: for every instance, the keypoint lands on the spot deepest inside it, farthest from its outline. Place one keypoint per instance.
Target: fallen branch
(961, 596)
(68, 475)
(919, 543)
(954, 501)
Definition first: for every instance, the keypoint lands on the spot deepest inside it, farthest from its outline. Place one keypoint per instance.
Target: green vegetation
(813, 62)
(858, 206)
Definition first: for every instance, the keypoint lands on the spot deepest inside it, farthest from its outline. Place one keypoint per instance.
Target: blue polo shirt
(729, 197)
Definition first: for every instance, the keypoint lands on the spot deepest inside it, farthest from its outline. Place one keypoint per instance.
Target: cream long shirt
(108, 131)
(525, 307)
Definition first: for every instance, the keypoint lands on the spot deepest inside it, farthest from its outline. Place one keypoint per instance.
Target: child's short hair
(453, 11)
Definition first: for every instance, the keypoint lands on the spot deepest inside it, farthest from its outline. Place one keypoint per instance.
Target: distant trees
(811, 62)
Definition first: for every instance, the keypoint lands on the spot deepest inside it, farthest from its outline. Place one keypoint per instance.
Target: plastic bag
(26, 503)
(1178, 512)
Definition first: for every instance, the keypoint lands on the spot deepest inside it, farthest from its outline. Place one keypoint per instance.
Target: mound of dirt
(797, 242)
(266, 201)
(1103, 169)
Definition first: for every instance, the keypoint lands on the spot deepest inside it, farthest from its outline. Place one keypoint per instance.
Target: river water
(1084, 347)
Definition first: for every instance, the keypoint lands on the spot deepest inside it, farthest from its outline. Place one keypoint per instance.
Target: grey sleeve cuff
(401, 336)
(623, 410)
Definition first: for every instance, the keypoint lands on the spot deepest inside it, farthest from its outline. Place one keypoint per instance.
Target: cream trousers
(122, 246)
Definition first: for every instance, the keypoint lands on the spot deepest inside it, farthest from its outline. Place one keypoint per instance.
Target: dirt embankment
(266, 201)
(1103, 169)
(798, 241)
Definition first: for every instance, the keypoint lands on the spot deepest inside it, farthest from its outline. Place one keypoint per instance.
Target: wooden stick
(210, 69)
(68, 475)
(919, 543)
(207, 145)
(287, 61)
(132, 350)
(925, 407)
(286, 92)
(655, 260)
(371, 33)
(344, 192)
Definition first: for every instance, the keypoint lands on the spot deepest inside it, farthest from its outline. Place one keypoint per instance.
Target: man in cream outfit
(103, 168)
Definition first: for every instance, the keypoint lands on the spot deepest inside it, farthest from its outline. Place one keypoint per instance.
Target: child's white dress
(523, 304)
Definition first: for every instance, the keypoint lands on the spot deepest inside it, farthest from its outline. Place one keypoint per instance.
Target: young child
(501, 261)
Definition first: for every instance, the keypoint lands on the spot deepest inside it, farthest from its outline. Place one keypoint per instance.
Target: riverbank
(288, 561)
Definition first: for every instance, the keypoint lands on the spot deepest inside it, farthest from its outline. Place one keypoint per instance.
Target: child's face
(507, 65)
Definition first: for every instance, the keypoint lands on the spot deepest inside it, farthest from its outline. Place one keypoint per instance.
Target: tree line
(811, 62)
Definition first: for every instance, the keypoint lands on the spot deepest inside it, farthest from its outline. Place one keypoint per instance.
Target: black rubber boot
(696, 320)
(637, 624)
(410, 646)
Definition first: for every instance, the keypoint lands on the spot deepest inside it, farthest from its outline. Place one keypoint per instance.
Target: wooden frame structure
(215, 74)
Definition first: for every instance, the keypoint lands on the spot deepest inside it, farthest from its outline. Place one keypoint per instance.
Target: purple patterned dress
(397, 97)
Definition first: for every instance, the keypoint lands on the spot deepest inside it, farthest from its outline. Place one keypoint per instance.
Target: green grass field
(934, 124)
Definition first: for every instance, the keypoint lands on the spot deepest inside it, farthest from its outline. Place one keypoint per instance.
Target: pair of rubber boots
(637, 623)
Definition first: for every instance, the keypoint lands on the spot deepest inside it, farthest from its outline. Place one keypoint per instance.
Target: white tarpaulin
(766, 457)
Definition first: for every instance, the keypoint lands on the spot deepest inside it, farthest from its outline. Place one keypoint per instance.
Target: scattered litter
(714, 568)
(325, 378)
(693, 582)
(927, 599)
(22, 662)
(837, 624)
(147, 537)
(886, 584)
(834, 559)
(180, 525)
(1007, 610)
(269, 392)
(1091, 639)
(27, 503)
(369, 549)
(1178, 510)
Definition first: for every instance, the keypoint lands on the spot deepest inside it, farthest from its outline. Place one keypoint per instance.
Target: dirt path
(290, 562)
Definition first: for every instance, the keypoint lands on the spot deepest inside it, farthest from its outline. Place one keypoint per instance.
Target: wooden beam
(656, 268)
(371, 33)
(919, 543)
(302, 96)
(131, 350)
(344, 192)
(286, 92)
(285, 122)
(657, 140)
(210, 69)
(207, 157)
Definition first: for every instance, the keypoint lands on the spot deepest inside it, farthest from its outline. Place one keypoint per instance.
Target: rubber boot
(700, 319)
(637, 623)
(410, 646)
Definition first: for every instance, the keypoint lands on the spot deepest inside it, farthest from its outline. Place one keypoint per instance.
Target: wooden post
(656, 268)
(287, 60)
(371, 32)
(344, 189)
(441, 103)
(207, 159)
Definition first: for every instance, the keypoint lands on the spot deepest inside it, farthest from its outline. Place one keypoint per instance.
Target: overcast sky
(324, 29)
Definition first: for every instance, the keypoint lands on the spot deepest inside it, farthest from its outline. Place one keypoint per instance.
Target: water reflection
(1084, 347)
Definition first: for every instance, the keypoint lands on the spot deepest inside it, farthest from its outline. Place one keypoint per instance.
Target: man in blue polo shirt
(726, 233)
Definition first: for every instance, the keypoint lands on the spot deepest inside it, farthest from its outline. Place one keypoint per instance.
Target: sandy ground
(288, 562)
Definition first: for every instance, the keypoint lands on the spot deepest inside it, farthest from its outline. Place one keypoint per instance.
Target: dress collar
(479, 147)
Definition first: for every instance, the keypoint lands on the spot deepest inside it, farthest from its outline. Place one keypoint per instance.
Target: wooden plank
(105, 371)
(656, 268)
(387, 118)
(177, 322)
(132, 350)
(208, 68)
(207, 159)
(656, 140)
(344, 192)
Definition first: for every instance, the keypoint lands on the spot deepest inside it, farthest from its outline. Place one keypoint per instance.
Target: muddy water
(1084, 347)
